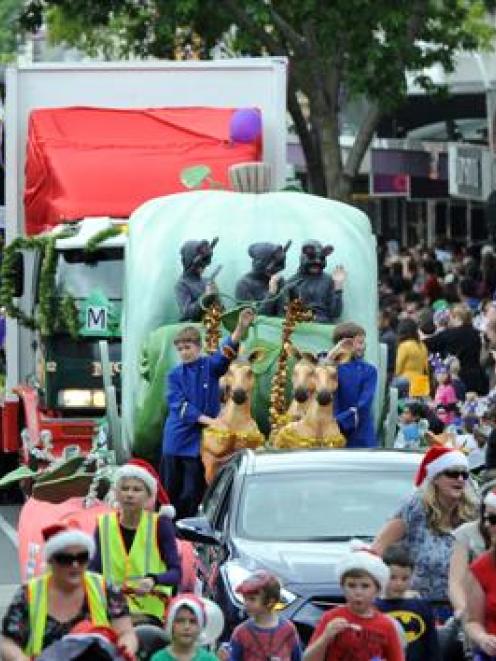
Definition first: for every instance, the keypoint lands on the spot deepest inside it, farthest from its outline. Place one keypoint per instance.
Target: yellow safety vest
(94, 585)
(144, 558)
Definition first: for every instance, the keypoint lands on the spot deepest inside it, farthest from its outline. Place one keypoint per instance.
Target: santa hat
(185, 600)
(437, 460)
(139, 469)
(258, 581)
(362, 558)
(58, 537)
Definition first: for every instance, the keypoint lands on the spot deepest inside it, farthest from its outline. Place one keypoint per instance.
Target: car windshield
(320, 505)
(79, 274)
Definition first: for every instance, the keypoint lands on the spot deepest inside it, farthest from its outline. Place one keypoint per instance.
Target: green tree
(337, 50)
(9, 15)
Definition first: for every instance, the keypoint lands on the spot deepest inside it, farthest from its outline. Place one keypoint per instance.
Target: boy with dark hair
(357, 381)
(411, 432)
(357, 631)
(193, 401)
(412, 613)
(264, 635)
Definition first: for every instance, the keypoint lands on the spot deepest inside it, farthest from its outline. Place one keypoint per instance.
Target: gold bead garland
(296, 312)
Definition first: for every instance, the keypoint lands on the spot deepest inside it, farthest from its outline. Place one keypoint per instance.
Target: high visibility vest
(119, 567)
(94, 586)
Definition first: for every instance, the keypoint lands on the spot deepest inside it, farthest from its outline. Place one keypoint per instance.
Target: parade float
(85, 145)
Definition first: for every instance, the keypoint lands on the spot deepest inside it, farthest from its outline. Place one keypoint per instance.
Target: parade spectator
(411, 431)
(357, 381)
(265, 634)
(432, 290)
(425, 522)
(186, 619)
(124, 552)
(193, 401)
(463, 341)
(387, 336)
(481, 588)
(411, 612)
(357, 630)
(69, 594)
(412, 365)
(471, 541)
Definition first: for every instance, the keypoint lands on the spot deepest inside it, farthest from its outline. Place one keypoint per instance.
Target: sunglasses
(490, 519)
(68, 559)
(454, 474)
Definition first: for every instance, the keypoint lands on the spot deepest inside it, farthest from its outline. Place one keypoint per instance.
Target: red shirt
(484, 570)
(377, 637)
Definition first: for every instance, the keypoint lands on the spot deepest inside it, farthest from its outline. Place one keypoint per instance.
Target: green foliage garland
(99, 237)
(51, 315)
(7, 285)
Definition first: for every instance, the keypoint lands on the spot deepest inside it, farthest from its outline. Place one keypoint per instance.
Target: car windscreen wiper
(338, 538)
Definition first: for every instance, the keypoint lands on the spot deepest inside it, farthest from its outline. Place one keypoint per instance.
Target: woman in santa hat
(49, 606)
(136, 547)
(444, 500)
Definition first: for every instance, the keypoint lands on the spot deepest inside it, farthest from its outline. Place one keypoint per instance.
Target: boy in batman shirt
(413, 614)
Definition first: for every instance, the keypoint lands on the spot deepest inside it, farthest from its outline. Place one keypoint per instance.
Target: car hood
(298, 564)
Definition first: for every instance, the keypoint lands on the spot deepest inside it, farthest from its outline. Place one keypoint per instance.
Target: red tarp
(106, 162)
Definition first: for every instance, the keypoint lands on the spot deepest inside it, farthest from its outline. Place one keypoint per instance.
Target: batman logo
(413, 625)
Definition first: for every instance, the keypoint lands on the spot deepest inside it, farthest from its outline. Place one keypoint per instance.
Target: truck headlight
(236, 574)
(80, 399)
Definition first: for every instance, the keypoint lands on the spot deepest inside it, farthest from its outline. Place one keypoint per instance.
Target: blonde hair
(463, 313)
(465, 510)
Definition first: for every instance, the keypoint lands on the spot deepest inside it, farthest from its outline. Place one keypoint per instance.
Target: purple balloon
(246, 125)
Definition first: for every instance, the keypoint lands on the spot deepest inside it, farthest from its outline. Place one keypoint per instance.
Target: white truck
(54, 389)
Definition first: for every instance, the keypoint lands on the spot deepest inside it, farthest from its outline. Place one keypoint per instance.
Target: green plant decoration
(99, 237)
(69, 316)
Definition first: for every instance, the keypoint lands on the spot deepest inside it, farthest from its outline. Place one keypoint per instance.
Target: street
(9, 569)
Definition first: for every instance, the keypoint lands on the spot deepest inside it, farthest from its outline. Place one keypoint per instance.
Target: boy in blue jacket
(193, 401)
(357, 381)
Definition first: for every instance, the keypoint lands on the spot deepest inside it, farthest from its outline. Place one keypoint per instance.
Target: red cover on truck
(106, 162)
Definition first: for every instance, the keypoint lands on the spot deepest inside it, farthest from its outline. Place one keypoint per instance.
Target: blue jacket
(193, 390)
(357, 381)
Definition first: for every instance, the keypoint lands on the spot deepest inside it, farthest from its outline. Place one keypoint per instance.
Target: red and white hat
(362, 558)
(139, 469)
(188, 600)
(59, 536)
(437, 460)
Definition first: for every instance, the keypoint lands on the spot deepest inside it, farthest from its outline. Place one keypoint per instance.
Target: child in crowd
(445, 399)
(186, 618)
(264, 635)
(357, 630)
(413, 425)
(456, 382)
(413, 614)
(357, 382)
(193, 401)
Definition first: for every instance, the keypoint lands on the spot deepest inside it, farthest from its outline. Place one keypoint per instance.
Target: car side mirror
(197, 529)
(18, 274)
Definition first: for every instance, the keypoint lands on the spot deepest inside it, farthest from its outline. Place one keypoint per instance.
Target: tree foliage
(9, 16)
(337, 51)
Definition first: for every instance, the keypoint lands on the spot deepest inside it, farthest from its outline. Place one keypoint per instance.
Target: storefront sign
(470, 171)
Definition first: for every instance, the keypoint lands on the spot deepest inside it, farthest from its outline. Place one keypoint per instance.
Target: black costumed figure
(263, 282)
(320, 292)
(191, 286)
